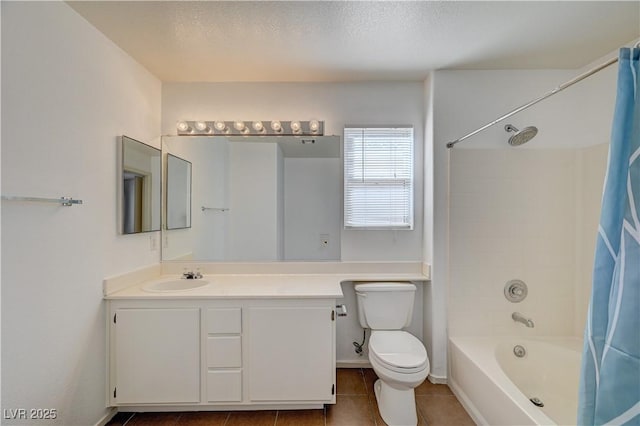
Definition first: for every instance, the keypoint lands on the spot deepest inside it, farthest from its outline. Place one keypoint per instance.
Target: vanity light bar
(250, 128)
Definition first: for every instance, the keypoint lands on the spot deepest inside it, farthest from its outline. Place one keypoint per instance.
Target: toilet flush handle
(341, 310)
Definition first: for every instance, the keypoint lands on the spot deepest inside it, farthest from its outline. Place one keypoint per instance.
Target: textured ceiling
(347, 41)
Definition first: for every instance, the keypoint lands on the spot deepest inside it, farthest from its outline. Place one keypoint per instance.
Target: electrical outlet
(324, 240)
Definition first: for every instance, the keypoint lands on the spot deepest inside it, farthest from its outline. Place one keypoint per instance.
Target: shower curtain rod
(541, 98)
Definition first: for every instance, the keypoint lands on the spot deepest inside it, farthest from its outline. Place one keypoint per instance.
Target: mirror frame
(155, 206)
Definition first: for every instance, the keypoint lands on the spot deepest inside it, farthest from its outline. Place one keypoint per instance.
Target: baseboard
(160, 408)
(353, 364)
(437, 380)
(108, 416)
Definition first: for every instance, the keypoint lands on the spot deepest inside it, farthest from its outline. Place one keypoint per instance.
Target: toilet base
(397, 407)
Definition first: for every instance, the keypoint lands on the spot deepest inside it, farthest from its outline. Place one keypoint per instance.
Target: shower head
(521, 136)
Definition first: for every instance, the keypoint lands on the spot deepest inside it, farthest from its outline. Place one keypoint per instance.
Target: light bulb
(200, 126)
(257, 126)
(220, 126)
(182, 126)
(314, 126)
(295, 126)
(239, 125)
(276, 126)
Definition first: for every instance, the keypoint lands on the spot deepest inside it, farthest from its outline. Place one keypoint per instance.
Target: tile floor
(356, 405)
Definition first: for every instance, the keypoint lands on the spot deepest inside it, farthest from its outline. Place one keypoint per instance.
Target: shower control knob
(515, 291)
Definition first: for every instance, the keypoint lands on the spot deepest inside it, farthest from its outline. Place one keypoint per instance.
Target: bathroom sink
(174, 285)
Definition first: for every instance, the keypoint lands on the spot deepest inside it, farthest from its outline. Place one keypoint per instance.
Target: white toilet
(398, 358)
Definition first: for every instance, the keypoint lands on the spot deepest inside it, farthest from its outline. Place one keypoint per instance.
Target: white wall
(313, 202)
(335, 103)
(178, 193)
(280, 202)
(67, 94)
(254, 202)
(434, 316)
(207, 237)
(577, 117)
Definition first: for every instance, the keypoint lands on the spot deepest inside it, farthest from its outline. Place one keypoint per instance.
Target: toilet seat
(398, 351)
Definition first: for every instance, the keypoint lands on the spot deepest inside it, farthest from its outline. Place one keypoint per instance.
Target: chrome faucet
(518, 317)
(190, 275)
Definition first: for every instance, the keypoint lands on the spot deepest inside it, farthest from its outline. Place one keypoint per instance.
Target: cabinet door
(157, 356)
(291, 353)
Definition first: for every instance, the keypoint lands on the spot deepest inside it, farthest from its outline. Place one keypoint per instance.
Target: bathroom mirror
(268, 198)
(140, 187)
(178, 201)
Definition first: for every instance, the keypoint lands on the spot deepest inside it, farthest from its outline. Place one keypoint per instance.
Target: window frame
(409, 224)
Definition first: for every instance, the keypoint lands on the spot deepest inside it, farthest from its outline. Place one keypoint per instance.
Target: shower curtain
(610, 376)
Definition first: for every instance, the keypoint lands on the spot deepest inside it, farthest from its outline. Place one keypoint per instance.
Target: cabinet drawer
(224, 385)
(224, 320)
(224, 351)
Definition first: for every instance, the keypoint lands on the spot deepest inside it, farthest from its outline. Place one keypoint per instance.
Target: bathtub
(495, 386)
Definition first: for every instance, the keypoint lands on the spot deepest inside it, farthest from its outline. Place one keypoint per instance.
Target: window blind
(378, 177)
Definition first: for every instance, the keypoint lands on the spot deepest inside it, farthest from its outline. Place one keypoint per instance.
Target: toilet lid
(398, 350)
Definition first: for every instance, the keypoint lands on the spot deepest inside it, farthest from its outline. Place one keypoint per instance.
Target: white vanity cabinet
(218, 354)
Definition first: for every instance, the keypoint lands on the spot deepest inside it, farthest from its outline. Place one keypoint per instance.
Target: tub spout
(518, 317)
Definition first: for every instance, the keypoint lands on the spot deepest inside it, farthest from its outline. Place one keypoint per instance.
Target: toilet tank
(385, 305)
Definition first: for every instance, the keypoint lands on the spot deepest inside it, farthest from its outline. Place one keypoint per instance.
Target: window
(378, 177)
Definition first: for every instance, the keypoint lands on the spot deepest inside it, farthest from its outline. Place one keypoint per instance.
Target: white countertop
(243, 286)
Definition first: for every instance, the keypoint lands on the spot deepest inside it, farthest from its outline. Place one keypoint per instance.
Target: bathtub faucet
(518, 317)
